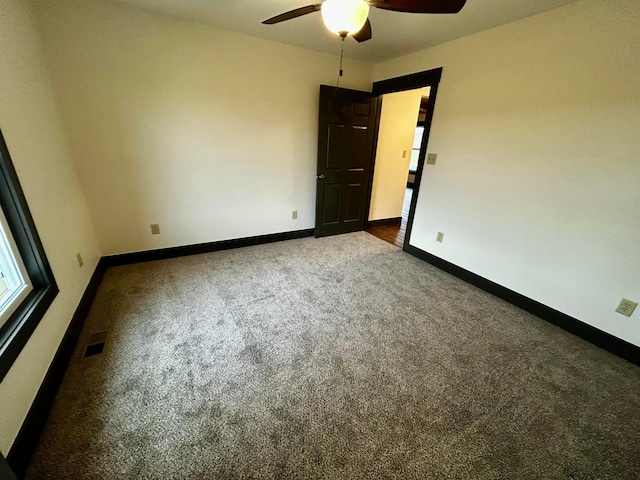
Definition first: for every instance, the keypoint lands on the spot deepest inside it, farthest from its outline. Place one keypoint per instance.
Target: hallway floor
(395, 233)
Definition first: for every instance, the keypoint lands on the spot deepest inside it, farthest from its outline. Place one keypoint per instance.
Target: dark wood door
(345, 145)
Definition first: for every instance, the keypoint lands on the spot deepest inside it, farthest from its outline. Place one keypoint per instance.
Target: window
(415, 152)
(27, 286)
(15, 284)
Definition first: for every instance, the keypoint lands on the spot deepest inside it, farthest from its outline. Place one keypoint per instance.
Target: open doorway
(348, 138)
(401, 131)
(413, 81)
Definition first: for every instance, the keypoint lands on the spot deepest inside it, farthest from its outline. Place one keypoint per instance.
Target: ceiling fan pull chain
(340, 68)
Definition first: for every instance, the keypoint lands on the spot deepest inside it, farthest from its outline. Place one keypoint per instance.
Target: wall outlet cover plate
(626, 307)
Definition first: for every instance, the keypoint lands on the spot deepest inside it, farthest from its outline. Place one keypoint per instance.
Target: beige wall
(32, 130)
(164, 116)
(397, 128)
(537, 130)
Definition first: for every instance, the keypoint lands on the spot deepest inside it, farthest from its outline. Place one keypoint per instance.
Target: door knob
(320, 176)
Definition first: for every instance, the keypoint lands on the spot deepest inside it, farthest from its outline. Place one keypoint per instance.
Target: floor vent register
(95, 346)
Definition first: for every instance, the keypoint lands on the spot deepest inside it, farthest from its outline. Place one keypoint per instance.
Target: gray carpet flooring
(340, 357)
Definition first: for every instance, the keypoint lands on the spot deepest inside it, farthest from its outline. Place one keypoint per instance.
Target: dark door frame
(428, 78)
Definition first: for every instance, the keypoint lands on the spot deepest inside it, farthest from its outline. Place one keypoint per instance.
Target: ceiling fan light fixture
(345, 17)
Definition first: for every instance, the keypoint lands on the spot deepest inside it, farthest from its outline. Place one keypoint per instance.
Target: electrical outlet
(439, 237)
(404, 154)
(79, 259)
(294, 215)
(431, 158)
(155, 229)
(626, 307)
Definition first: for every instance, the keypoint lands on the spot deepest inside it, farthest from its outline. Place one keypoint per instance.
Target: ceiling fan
(349, 17)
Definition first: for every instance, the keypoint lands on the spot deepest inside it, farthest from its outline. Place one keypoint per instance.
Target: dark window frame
(15, 333)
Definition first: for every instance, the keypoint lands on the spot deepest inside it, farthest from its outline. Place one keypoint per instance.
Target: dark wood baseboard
(384, 222)
(591, 334)
(5, 472)
(172, 252)
(29, 434)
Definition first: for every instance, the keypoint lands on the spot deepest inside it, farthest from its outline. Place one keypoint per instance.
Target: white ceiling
(394, 34)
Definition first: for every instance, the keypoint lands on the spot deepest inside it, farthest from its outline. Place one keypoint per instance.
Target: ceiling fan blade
(420, 6)
(364, 33)
(298, 12)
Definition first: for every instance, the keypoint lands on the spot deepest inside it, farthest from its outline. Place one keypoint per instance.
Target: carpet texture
(340, 357)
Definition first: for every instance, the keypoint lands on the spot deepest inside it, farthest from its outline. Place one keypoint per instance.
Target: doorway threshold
(395, 234)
